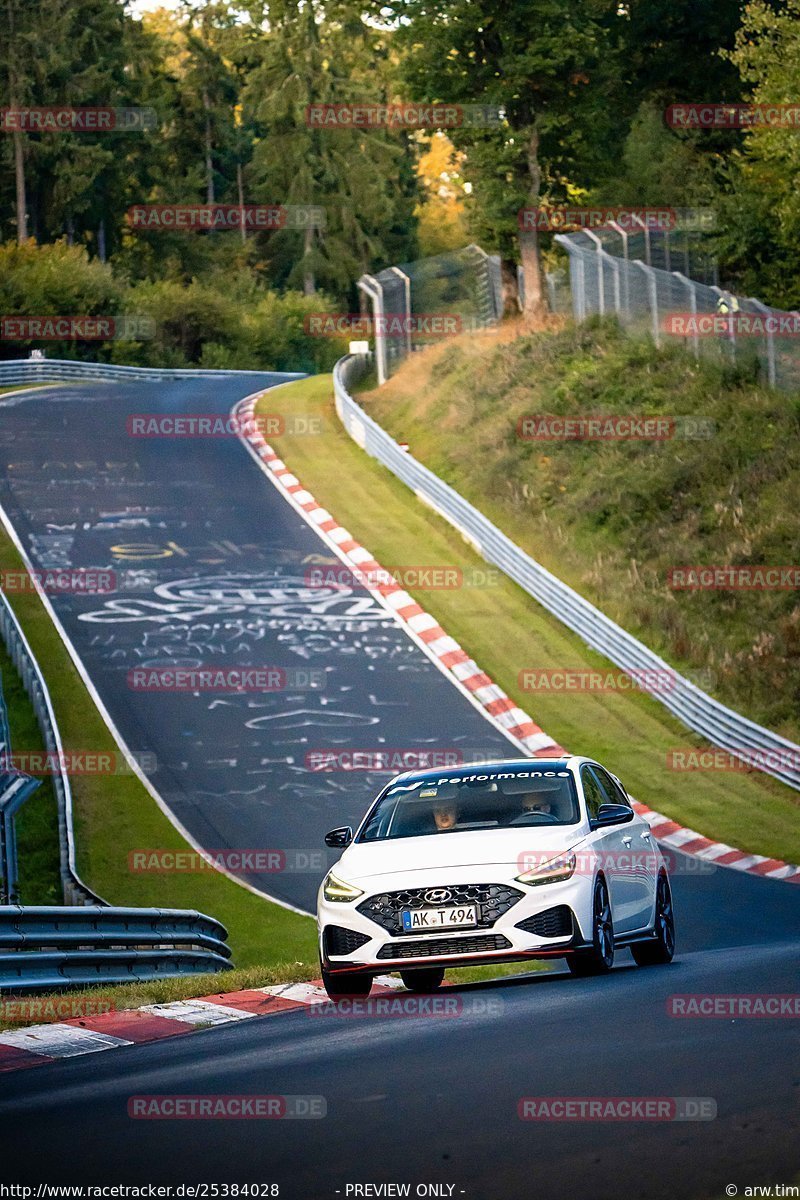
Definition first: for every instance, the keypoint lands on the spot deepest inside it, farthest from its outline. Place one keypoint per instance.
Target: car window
(595, 796)
(467, 801)
(610, 787)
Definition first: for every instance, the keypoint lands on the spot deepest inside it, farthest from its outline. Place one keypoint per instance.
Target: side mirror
(338, 838)
(612, 814)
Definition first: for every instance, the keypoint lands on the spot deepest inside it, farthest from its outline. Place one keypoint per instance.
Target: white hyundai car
(496, 862)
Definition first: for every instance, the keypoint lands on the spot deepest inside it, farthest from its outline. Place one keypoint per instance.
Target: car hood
(364, 860)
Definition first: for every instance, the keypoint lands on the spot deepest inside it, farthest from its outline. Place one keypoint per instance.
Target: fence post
(370, 286)
(731, 331)
(623, 233)
(601, 291)
(407, 292)
(688, 283)
(769, 337)
(645, 226)
(652, 288)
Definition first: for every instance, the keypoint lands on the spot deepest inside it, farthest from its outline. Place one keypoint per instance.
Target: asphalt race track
(210, 565)
(409, 1100)
(434, 1099)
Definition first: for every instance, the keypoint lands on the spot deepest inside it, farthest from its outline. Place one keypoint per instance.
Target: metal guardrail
(53, 947)
(48, 370)
(20, 653)
(695, 708)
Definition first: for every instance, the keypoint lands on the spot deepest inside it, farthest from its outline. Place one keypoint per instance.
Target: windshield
(459, 803)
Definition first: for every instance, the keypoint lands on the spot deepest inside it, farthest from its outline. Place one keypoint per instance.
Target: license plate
(439, 918)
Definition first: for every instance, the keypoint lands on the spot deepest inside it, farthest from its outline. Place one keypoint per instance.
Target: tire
(345, 983)
(662, 949)
(423, 980)
(600, 958)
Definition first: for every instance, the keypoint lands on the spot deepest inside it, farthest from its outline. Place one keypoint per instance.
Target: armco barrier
(699, 712)
(20, 653)
(51, 370)
(60, 947)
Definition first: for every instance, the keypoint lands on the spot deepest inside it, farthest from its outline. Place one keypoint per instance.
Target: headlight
(552, 871)
(337, 889)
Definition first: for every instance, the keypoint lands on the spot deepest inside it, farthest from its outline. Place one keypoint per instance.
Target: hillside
(613, 518)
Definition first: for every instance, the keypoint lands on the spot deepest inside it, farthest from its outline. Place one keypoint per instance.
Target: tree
(541, 63)
(34, 34)
(364, 179)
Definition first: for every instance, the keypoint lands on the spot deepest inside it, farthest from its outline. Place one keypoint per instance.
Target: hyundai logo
(438, 895)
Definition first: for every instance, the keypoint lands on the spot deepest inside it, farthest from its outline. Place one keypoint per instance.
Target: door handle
(645, 837)
(626, 841)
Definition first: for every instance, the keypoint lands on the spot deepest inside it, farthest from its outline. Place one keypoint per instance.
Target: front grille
(492, 899)
(552, 923)
(339, 941)
(439, 947)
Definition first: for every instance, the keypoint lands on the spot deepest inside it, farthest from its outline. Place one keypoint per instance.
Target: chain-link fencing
(667, 286)
(417, 303)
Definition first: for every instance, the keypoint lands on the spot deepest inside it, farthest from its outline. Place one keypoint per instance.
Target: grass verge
(505, 630)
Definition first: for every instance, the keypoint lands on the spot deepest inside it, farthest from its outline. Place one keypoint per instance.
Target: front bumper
(516, 922)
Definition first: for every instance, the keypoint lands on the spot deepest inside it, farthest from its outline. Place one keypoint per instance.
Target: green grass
(115, 814)
(28, 387)
(505, 630)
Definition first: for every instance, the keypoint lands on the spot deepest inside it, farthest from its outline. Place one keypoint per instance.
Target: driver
(537, 803)
(445, 815)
